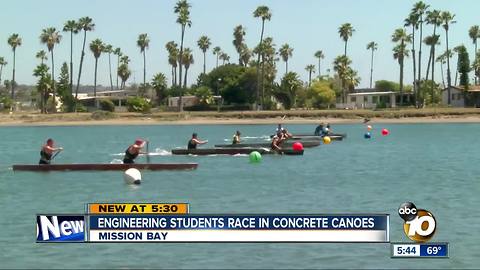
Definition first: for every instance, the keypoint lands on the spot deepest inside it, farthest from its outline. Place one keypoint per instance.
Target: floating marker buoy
(367, 135)
(369, 127)
(132, 176)
(385, 132)
(297, 146)
(327, 140)
(255, 157)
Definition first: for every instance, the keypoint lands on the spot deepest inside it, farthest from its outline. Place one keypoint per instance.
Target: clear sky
(307, 25)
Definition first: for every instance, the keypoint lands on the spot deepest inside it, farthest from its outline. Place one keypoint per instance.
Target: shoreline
(118, 119)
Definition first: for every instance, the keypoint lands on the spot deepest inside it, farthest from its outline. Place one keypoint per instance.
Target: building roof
(372, 93)
(471, 88)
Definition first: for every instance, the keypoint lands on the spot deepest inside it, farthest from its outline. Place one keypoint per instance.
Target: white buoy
(132, 176)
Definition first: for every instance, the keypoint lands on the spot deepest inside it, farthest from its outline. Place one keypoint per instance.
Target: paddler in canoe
(236, 137)
(277, 141)
(194, 141)
(133, 151)
(47, 152)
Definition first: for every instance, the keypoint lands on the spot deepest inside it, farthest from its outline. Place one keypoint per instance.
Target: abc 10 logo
(419, 224)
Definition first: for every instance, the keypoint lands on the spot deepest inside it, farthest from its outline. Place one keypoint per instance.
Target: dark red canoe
(234, 151)
(105, 167)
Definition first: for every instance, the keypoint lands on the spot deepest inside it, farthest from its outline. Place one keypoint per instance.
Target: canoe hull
(105, 167)
(306, 144)
(233, 151)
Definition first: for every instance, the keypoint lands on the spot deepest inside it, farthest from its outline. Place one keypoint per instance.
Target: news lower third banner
(238, 228)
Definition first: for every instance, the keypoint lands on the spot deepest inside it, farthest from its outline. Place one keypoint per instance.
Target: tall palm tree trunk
(433, 73)
(180, 70)
(12, 84)
(401, 81)
(449, 79)
(415, 85)
(71, 62)
(345, 53)
(474, 56)
(259, 80)
(118, 64)
(420, 54)
(110, 71)
(144, 69)
(217, 60)
(319, 69)
(286, 67)
(95, 84)
(309, 78)
(80, 67)
(53, 73)
(185, 79)
(204, 62)
(1, 71)
(173, 76)
(371, 70)
(443, 75)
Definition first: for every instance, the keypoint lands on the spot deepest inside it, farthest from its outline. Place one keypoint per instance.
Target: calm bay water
(433, 165)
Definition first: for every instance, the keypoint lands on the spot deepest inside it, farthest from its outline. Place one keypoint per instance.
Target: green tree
(372, 46)
(442, 58)
(420, 8)
(14, 41)
(63, 89)
(224, 57)
(400, 52)
(204, 43)
(287, 91)
(385, 86)
(286, 52)
(173, 59)
(346, 31)
(182, 9)
(310, 69)
(475, 65)
(42, 55)
(204, 94)
(245, 55)
(109, 50)
(124, 73)
(118, 53)
(159, 83)
(86, 24)
(143, 42)
(217, 51)
(44, 85)
(2, 64)
(50, 36)
(321, 94)
(97, 47)
(319, 54)
(262, 12)
(474, 34)
(426, 95)
(238, 42)
(463, 66)
(72, 27)
(341, 65)
(447, 20)
(187, 61)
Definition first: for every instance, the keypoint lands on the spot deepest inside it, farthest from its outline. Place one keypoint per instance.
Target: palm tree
(118, 53)
(345, 31)
(204, 43)
(245, 55)
(420, 9)
(72, 27)
(97, 47)
(50, 36)
(109, 49)
(373, 46)
(42, 55)
(14, 41)
(217, 51)
(2, 64)
(238, 41)
(159, 83)
(319, 54)
(86, 24)
(310, 69)
(224, 57)
(172, 49)
(432, 41)
(182, 8)
(413, 21)
(447, 20)
(143, 43)
(341, 65)
(285, 52)
(400, 52)
(124, 73)
(474, 34)
(187, 61)
(442, 59)
(262, 12)
(433, 18)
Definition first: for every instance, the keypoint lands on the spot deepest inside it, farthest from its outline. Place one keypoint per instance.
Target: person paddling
(236, 137)
(46, 154)
(319, 130)
(133, 151)
(286, 135)
(194, 141)
(277, 141)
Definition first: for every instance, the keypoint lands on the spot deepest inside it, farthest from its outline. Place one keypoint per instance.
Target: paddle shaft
(147, 155)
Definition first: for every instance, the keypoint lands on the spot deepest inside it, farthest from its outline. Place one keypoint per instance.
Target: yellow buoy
(327, 140)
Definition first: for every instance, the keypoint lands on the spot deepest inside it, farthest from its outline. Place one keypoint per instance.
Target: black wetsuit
(45, 158)
(319, 130)
(129, 157)
(236, 139)
(191, 145)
